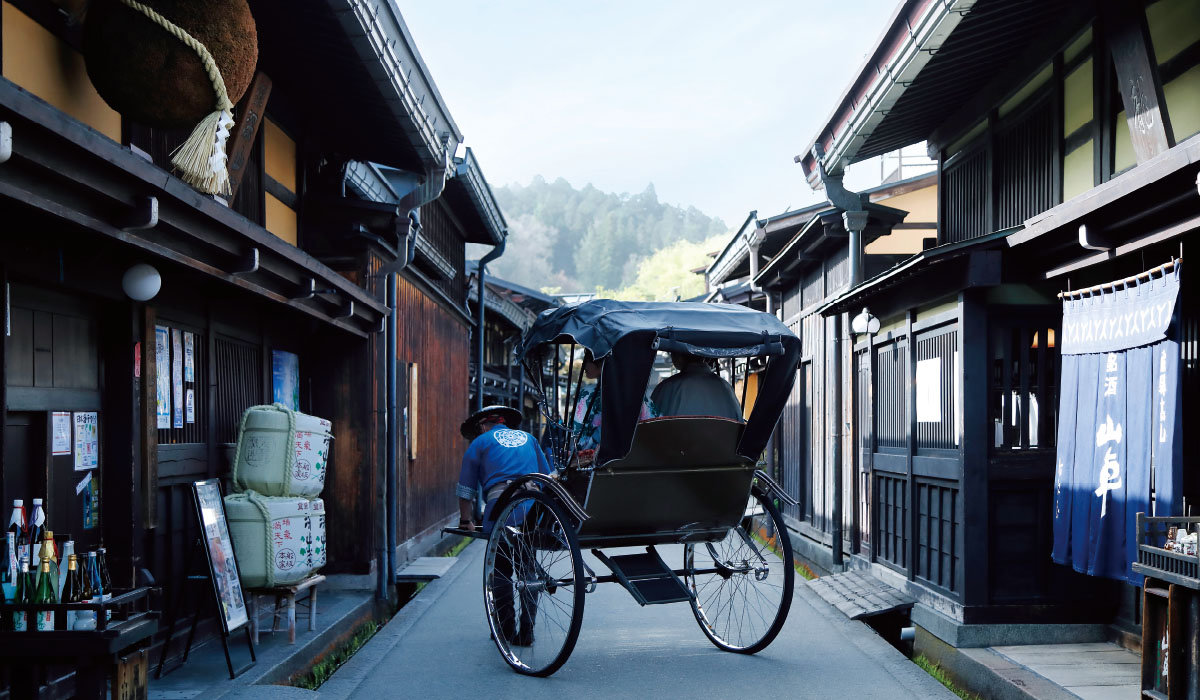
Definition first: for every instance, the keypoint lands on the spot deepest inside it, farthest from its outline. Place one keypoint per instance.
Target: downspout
(480, 307)
(409, 207)
(754, 239)
(854, 217)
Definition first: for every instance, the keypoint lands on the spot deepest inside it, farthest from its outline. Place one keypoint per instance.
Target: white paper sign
(177, 376)
(83, 484)
(189, 357)
(929, 390)
(61, 427)
(191, 406)
(162, 359)
(87, 441)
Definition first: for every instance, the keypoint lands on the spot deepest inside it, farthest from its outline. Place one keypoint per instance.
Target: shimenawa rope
(200, 159)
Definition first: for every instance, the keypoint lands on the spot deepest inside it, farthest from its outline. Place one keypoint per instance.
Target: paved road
(438, 647)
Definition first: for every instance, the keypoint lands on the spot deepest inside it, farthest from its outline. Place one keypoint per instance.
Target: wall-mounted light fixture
(864, 323)
(141, 282)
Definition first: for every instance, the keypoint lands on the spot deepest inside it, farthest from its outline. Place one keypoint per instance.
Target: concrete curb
(988, 674)
(349, 677)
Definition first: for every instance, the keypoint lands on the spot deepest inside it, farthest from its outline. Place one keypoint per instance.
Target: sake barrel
(317, 554)
(281, 452)
(270, 535)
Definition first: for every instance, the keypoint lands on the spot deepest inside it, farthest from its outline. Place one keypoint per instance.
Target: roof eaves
(915, 33)
(911, 265)
(480, 192)
(382, 40)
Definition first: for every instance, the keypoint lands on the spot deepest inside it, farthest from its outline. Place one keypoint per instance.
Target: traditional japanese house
(332, 279)
(509, 309)
(1064, 135)
(790, 264)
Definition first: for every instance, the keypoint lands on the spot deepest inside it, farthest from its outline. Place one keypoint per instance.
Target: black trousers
(508, 559)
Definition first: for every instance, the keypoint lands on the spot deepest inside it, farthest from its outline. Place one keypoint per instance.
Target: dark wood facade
(296, 262)
(1061, 165)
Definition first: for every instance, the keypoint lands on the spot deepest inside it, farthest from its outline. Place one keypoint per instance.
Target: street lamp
(864, 323)
(141, 282)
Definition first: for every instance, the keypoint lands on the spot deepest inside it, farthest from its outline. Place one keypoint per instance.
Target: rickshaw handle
(768, 486)
(546, 483)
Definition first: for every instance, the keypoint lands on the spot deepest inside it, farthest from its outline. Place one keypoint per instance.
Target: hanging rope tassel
(201, 160)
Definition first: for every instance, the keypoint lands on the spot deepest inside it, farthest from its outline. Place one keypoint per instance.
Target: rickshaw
(690, 482)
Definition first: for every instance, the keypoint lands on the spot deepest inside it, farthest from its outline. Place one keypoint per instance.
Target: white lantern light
(864, 323)
(141, 282)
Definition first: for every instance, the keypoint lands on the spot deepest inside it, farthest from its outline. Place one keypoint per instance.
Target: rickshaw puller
(498, 454)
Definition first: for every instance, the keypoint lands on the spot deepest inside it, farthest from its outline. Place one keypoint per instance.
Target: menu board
(227, 584)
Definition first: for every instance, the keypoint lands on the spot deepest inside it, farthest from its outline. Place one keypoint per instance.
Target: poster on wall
(162, 358)
(285, 378)
(60, 422)
(177, 376)
(87, 441)
(227, 584)
(189, 356)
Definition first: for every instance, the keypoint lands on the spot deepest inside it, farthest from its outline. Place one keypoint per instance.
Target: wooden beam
(1137, 79)
(142, 215)
(245, 129)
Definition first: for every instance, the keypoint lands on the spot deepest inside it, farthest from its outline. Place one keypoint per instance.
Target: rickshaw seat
(681, 481)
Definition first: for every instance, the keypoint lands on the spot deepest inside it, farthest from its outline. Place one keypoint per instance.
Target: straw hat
(512, 419)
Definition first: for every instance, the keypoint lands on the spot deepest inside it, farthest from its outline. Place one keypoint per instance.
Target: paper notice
(61, 427)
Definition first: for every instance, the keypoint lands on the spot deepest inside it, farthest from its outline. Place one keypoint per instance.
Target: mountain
(581, 240)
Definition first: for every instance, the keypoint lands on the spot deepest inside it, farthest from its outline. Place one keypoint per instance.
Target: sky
(709, 101)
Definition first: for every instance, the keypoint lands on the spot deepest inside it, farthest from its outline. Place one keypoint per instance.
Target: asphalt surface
(438, 646)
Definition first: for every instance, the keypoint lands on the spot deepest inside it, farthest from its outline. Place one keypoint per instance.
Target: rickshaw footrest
(647, 577)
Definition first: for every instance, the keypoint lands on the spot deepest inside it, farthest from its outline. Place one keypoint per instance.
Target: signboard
(285, 378)
(218, 546)
(1119, 436)
(61, 430)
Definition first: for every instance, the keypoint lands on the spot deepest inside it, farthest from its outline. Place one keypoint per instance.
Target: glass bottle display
(15, 537)
(34, 531)
(85, 619)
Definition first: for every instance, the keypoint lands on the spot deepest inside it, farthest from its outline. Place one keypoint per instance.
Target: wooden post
(245, 129)
(977, 434)
(149, 427)
(1137, 79)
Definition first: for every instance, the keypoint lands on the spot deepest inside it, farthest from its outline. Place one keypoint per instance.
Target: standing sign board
(218, 547)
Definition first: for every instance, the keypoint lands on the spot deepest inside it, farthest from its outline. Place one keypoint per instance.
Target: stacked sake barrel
(276, 518)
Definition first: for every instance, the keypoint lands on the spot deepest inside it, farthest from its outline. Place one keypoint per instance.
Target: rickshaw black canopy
(630, 333)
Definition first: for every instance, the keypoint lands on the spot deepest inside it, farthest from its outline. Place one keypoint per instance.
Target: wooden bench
(289, 594)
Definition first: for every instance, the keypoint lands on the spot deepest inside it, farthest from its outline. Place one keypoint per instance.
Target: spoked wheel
(533, 584)
(743, 584)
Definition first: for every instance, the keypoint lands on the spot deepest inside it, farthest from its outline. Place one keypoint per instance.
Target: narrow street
(439, 644)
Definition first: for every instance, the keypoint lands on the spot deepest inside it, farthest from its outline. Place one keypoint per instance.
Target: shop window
(1023, 391)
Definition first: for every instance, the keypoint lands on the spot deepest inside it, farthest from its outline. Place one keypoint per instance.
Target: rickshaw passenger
(586, 420)
(695, 391)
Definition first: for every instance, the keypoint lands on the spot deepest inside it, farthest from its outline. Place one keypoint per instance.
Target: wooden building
(348, 230)
(1065, 135)
(509, 310)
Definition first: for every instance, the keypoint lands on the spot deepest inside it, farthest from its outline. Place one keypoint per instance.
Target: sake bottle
(34, 532)
(105, 579)
(15, 539)
(94, 576)
(20, 618)
(49, 553)
(84, 619)
(72, 591)
(45, 596)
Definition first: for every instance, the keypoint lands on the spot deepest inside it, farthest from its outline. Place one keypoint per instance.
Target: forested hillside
(581, 240)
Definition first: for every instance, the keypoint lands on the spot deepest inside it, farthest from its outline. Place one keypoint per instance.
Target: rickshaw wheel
(742, 607)
(533, 584)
